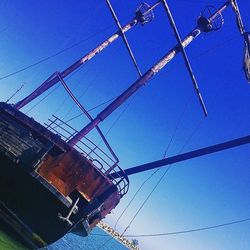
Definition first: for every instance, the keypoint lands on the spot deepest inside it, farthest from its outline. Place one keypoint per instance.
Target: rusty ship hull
(48, 188)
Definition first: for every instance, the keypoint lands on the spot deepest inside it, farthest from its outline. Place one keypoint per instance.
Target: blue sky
(201, 192)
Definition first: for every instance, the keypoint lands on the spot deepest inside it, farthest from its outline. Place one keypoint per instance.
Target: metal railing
(103, 160)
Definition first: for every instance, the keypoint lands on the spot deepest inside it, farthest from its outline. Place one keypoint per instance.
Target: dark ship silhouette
(55, 180)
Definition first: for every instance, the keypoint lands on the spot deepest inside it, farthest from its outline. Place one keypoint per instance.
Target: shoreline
(109, 230)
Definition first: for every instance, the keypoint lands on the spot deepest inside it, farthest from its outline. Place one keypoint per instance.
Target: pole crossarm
(186, 156)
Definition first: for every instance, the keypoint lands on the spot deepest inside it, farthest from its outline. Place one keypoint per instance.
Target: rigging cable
(84, 92)
(184, 145)
(164, 156)
(55, 54)
(184, 231)
(230, 39)
(58, 52)
(192, 230)
(51, 92)
(55, 88)
(141, 186)
(13, 95)
(67, 98)
(161, 178)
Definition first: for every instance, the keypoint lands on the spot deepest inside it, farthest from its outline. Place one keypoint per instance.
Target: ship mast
(143, 15)
(204, 25)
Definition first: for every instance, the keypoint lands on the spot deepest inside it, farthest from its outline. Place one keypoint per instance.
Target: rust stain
(70, 171)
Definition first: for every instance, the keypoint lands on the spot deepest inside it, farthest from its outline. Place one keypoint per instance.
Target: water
(96, 240)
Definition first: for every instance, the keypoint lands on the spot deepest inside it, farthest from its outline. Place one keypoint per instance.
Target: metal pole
(183, 157)
(54, 78)
(139, 83)
(123, 36)
(89, 117)
(188, 65)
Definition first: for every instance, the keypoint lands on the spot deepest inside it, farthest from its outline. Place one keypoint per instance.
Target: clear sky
(197, 193)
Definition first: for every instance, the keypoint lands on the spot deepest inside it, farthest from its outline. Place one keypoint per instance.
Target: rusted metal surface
(71, 171)
(61, 166)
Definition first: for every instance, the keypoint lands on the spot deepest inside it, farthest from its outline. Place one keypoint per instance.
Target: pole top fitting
(207, 22)
(144, 13)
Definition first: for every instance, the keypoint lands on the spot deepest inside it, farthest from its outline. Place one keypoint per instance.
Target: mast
(143, 15)
(203, 26)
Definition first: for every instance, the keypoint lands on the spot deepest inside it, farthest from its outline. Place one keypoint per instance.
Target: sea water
(98, 239)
